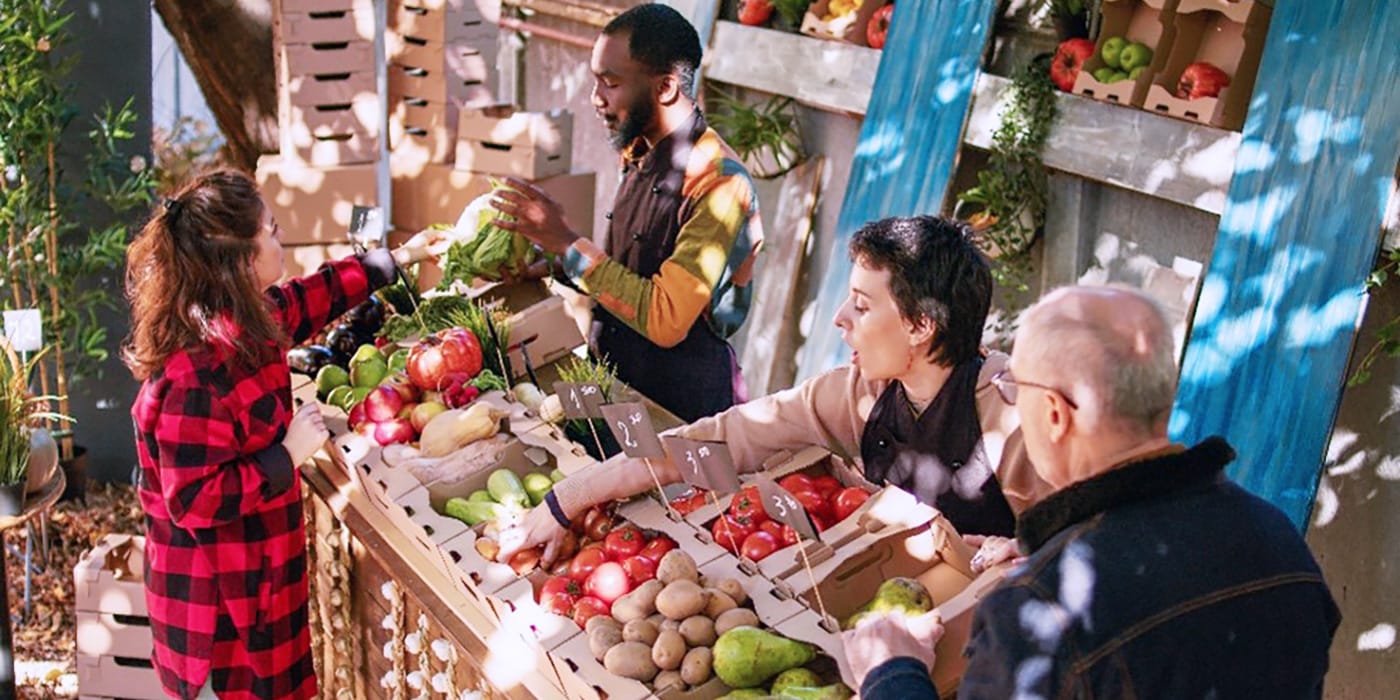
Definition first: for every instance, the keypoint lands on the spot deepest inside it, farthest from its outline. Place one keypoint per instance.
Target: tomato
(623, 542)
(729, 532)
(689, 502)
(773, 528)
(639, 568)
(755, 12)
(608, 582)
(451, 350)
(559, 594)
(585, 562)
(657, 548)
(597, 524)
(820, 523)
(796, 482)
(748, 504)
(788, 537)
(846, 501)
(825, 485)
(587, 607)
(525, 560)
(813, 503)
(758, 545)
(879, 27)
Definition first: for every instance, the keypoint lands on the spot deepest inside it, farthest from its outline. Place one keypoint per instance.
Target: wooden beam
(825, 74)
(1274, 326)
(1167, 158)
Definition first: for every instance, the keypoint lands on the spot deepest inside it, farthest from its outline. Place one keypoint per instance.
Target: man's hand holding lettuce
(482, 249)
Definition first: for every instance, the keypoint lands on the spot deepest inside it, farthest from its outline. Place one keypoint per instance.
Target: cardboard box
(303, 260)
(118, 677)
(499, 140)
(849, 27)
(1146, 21)
(424, 126)
(329, 27)
(313, 203)
(332, 89)
(436, 84)
(109, 634)
(322, 59)
(444, 20)
(111, 578)
(428, 193)
(303, 6)
(1228, 35)
(460, 60)
(538, 631)
(538, 321)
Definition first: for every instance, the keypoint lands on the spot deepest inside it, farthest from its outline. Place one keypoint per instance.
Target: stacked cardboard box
(501, 141)
(1227, 34)
(114, 631)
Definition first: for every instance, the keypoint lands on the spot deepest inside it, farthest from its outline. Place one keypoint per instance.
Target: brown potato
(630, 660)
(666, 679)
(733, 589)
(603, 638)
(719, 603)
(668, 651)
(640, 631)
(677, 566)
(697, 666)
(638, 604)
(698, 631)
(681, 599)
(738, 617)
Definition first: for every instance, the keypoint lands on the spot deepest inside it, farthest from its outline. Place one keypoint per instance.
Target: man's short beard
(639, 116)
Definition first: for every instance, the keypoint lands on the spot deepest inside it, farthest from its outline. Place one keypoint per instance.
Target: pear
(745, 657)
(745, 694)
(835, 691)
(795, 677)
(902, 594)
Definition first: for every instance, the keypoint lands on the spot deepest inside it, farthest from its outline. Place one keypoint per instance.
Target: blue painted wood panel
(908, 142)
(1266, 358)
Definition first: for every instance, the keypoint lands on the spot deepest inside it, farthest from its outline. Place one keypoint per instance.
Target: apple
(394, 431)
(407, 411)
(1104, 74)
(1136, 72)
(408, 391)
(356, 416)
(1134, 55)
(1111, 51)
(424, 412)
(383, 403)
(1069, 58)
(1201, 80)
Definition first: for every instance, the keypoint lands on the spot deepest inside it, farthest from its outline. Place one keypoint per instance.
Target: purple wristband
(554, 509)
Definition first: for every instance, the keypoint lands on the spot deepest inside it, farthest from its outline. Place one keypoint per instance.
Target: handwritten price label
(782, 506)
(631, 426)
(581, 401)
(703, 464)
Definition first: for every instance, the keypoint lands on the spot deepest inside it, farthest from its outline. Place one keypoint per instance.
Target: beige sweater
(831, 410)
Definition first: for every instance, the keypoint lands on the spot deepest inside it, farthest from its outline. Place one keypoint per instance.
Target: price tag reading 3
(683, 453)
(631, 426)
(784, 508)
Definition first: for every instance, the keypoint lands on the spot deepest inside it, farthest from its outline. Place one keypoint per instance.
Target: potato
(697, 666)
(666, 679)
(668, 651)
(681, 599)
(738, 617)
(698, 631)
(638, 604)
(630, 660)
(640, 631)
(601, 621)
(603, 638)
(676, 566)
(673, 625)
(733, 589)
(719, 603)
(657, 619)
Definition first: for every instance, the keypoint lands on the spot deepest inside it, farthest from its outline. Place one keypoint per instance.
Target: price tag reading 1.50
(784, 508)
(580, 401)
(632, 428)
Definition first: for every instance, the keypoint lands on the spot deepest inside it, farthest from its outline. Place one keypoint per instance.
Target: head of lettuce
(481, 249)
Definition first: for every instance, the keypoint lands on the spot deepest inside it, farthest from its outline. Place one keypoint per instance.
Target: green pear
(1134, 55)
(398, 362)
(368, 368)
(330, 377)
(367, 352)
(1111, 51)
(745, 657)
(902, 594)
(795, 677)
(745, 694)
(835, 691)
(340, 397)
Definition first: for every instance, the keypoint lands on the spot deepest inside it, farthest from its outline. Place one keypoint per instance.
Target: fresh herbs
(1388, 335)
(451, 311)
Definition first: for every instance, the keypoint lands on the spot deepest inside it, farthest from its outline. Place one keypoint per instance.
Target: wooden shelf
(826, 74)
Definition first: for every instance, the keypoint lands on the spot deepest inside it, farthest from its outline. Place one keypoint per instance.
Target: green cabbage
(484, 249)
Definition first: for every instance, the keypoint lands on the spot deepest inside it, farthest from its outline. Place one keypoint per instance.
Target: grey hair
(1130, 370)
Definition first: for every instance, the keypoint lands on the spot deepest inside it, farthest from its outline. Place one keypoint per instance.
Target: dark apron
(939, 457)
(697, 377)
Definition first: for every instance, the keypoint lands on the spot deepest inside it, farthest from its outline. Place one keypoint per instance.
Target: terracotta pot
(43, 460)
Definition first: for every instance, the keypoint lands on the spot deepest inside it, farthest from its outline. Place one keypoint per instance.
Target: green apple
(556, 476)
(1104, 74)
(328, 378)
(1136, 72)
(1117, 76)
(398, 362)
(1111, 51)
(365, 353)
(340, 397)
(1134, 55)
(368, 367)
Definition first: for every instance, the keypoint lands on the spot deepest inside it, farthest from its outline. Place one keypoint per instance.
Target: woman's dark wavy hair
(936, 272)
(190, 279)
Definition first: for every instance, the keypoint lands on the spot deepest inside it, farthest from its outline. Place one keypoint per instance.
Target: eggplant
(343, 341)
(367, 318)
(309, 359)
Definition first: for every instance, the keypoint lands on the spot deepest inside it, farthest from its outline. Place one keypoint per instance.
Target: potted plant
(764, 134)
(54, 262)
(1070, 18)
(21, 415)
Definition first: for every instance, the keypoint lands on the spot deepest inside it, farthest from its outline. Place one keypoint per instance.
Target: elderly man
(1149, 573)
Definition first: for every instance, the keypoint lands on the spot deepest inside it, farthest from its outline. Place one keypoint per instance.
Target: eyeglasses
(1006, 386)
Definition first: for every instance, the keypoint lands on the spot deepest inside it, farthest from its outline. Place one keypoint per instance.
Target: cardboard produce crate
(427, 193)
(1227, 34)
(313, 203)
(426, 127)
(355, 23)
(304, 6)
(849, 27)
(498, 140)
(114, 640)
(538, 321)
(118, 677)
(1146, 21)
(329, 89)
(322, 59)
(445, 20)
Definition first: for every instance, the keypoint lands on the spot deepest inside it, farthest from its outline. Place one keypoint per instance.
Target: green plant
(20, 413)
(188, 147)
(587, 370)
(790, 12)
(1388, 336)
(764, 134)
(54, 262)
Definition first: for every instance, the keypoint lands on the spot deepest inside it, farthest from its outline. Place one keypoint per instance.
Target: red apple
(356, 417)
(382, 404)
(408, 391)
(394, 431)
(424, 412)
(1069, 59)
(1201, 80)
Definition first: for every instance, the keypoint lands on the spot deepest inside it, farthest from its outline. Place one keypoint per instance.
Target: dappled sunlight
(1378, 638)
(1029, 674)
(1047, 621)
(1328, 504)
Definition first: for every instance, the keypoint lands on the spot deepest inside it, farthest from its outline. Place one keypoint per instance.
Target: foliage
(1388, 336)
(20, 413)
(449, 311)
(53, 261)
(790, 12)
(188, 147)
(587, 370)
(753, 128)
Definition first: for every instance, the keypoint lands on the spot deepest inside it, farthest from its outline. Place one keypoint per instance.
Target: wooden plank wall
(1276, 318)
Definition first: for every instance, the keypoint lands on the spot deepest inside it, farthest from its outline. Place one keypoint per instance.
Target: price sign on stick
(580, 400)
(703, 464)
(631, 427)
(783, 507)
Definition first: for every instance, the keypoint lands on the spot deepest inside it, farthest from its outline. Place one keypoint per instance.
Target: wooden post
(908, 143)
(1275, 321)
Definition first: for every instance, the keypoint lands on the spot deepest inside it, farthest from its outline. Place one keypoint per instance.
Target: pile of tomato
(613, 562)
(745, 528)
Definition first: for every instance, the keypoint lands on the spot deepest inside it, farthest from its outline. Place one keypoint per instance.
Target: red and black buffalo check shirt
(225, 549)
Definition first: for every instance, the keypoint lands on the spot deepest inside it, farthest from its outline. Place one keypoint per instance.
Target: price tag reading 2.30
(703, 464)
(784, 508)
(632, 428)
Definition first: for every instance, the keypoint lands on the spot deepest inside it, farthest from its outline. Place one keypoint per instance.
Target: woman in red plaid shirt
(217, 438)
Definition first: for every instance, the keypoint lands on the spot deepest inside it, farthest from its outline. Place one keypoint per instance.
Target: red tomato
(820, 523)
(559, 594)
(623, 542)
(846, 501)
(748, 504)
(585, 562)
(729, 532)
(825, 485)
(788, 537)
(608, 582)
(597, 524)
(796, 482)
(773, 528)
(639, 568)
(758, 545)
(813, 503)
(657, 548)
(689, 502)
(587, 607)
(755, 12)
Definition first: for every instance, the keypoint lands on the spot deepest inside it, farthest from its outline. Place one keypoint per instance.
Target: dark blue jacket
(1159, 579)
